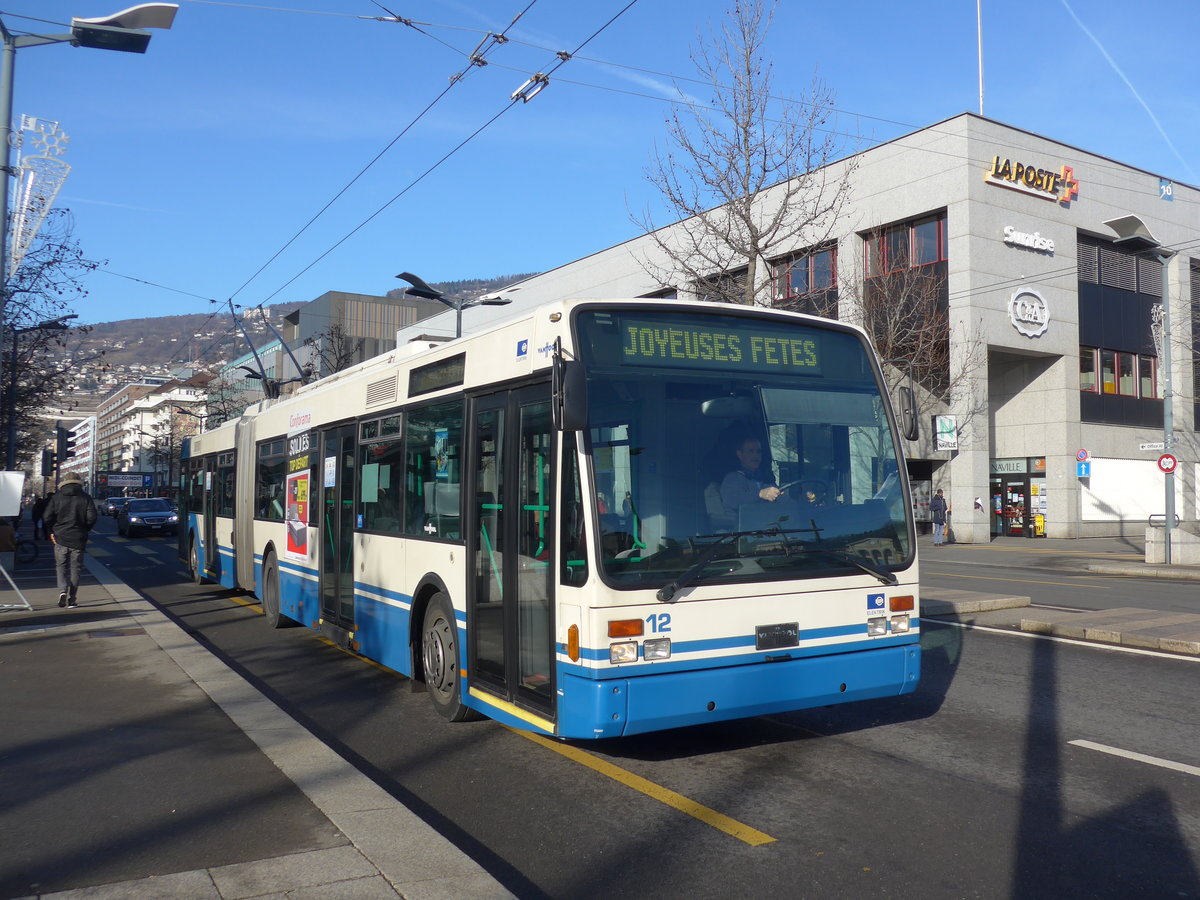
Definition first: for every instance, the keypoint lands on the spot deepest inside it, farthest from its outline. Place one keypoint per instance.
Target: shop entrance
(1018, 499)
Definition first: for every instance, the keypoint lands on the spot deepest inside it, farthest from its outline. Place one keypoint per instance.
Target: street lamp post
(10, 433)
(121, 31)
(1133, 233)
(458, 304)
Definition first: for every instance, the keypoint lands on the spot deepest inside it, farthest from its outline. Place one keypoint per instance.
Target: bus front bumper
(617, 707)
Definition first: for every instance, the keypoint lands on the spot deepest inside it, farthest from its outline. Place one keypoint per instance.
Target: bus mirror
(908, 414)
(570, 396)
(568, 404)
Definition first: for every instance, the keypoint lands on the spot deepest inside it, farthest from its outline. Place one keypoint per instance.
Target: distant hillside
(165, 342)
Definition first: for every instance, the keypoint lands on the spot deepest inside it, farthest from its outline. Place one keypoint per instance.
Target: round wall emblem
(1028, 312)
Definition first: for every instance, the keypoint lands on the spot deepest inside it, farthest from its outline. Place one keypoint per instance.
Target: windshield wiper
(667, 592)
(857, 561)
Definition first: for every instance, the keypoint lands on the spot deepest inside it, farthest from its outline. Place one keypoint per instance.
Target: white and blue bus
(537, 520)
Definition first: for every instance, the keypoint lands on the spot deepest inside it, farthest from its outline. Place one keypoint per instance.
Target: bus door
(209, 492)
(510, 533)
(338, 450)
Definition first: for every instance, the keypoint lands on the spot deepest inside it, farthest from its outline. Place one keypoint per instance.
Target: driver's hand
(770, 493)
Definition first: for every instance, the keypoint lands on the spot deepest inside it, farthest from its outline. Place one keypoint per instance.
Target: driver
(748, 483)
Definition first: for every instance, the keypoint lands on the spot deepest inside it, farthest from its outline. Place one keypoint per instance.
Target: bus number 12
(659, 622)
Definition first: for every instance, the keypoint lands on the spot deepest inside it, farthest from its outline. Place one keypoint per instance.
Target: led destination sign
(731, 346)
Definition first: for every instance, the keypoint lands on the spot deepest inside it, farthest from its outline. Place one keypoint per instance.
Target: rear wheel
(270, 597)
(439, 655)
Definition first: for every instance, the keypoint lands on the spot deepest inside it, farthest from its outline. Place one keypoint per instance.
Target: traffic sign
(1082, 455)
(1167, 463)
(1153, 445)
(1083, 470)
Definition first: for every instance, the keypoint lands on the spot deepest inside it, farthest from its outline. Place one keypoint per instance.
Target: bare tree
(43, 288)
(907, 314)
(226, 399)
(332, 349)
(727, 153)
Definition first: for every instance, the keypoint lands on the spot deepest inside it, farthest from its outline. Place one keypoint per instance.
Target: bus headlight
(899, 623)
(876, 625)
(657, 648)
(623, 653)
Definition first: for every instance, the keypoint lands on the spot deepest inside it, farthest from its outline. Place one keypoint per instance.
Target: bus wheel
(270, 597)
(194, 564)
(439, 653)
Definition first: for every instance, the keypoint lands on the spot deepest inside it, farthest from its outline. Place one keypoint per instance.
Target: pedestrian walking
(938, 508)
(69, 518)
(36, 512)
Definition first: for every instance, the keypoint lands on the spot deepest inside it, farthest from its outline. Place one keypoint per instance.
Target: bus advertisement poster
(298, 477)
(297, 515)
(441, 452)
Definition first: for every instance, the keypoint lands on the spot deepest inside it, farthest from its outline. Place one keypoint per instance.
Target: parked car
(151, 516)
(113, 505)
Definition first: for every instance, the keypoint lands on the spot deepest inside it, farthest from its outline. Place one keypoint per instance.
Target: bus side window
(573, 538)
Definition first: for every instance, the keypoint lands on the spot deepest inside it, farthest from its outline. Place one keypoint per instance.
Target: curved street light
(458, 304)
(124, 31)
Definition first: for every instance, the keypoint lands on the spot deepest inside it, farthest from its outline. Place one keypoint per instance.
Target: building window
(1122, 374)
(810, 272)
(906, 245)
(1087, 369)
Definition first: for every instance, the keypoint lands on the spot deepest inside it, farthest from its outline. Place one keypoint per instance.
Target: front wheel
(194, 564)
(439, 654)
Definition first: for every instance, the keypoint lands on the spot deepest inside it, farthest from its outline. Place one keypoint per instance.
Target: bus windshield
(767, 437)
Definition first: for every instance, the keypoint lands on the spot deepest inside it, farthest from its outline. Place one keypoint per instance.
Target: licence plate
(772, 637)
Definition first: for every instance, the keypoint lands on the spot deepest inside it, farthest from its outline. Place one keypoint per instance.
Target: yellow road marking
(710, 817)
(1089, 585)
(248, 603)
(702, 813)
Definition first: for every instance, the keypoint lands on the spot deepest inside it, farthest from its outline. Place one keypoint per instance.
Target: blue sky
(194, 164)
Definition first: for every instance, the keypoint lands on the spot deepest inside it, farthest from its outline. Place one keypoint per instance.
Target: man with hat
(69, 517)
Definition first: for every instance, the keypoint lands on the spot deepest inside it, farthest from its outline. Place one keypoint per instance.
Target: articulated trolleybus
(543, 522)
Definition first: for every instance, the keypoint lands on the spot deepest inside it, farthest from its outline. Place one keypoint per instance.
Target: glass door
(510, 543)
(1016, 505)
(337, 525)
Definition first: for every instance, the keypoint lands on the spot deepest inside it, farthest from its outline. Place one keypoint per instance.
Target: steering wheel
(820, 488)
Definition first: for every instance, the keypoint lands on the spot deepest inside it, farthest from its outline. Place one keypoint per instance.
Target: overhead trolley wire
(475, 59)
(563, 58)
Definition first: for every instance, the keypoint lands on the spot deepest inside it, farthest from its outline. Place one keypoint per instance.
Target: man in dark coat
(69, 517)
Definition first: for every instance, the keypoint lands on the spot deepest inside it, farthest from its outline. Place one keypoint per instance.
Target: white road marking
(1139, 757)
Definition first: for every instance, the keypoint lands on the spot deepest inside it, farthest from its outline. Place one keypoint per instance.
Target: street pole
(123, 31)
(1168, 400)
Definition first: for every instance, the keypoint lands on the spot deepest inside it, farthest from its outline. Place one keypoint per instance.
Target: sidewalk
(1130, 626)
(137, 765)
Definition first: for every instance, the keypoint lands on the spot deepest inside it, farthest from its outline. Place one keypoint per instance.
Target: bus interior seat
(718, 519)
(442, 508)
